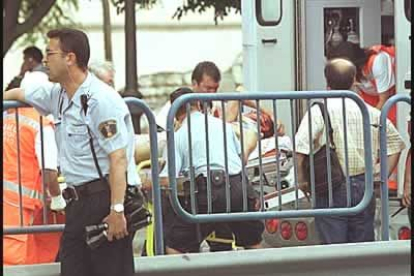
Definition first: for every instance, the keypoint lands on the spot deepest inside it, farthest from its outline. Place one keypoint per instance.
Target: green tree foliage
(221, 7)
(142, 4)
(31, 19)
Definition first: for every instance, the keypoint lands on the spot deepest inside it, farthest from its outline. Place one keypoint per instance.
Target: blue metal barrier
(154, 169)
(159, 239)
(383, 161)
(35, 229)
(288, 95)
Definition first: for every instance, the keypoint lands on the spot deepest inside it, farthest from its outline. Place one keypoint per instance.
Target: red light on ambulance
(272, 225)
(286, 230)
(404, 233)
(301, 231)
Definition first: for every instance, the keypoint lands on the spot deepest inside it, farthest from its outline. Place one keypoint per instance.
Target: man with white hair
(104, 70)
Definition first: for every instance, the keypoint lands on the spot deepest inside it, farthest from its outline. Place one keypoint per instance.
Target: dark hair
(208, 68)
(178, 93)
(34, 53)
(340, 74)
(75, 41)
(352, 52)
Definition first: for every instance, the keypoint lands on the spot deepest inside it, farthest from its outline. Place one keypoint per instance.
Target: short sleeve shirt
(382, 73)
(355, 134)
(107, 117)
(199, 147)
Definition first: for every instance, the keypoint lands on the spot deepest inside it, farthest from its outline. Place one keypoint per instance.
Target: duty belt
(183, 187)
(84, 190)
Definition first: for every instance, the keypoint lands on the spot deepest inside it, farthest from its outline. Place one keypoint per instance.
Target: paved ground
(140, 237)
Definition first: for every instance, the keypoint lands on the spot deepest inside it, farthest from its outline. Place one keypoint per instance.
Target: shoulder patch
(108, 128)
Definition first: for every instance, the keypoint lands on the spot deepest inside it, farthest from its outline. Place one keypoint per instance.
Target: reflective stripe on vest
(33, 194)
(24, 119)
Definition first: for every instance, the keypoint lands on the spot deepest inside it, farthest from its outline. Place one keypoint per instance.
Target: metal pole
(131, 82)
(385, 220)
(131, 86)
(107, 30)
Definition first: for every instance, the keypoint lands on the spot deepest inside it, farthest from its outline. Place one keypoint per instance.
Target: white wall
(163, 44)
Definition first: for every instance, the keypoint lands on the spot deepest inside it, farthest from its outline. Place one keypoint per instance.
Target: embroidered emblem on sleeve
(108, 128)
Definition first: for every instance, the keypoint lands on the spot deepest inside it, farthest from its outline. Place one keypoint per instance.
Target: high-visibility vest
(367, 70)
(373, 100)
(30, 248)
(25, 248)
(28, 169)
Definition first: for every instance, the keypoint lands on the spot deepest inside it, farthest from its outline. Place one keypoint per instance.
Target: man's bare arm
(51, 181)
(383, 97)
(301, 164)
(406, 200)
(16, 94)
(117, 182)
(147, 183)
(303, 182)
(392, 162)
(232, 111)
(117, 175)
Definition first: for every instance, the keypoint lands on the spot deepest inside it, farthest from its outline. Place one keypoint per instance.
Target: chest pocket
(77, 139)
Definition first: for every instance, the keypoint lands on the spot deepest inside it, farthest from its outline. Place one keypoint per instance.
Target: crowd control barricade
(156, 192)
(384, 161)
(191, 214)
(131, 102)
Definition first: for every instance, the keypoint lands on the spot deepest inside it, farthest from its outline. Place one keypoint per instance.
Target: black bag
(320, 164)
(136, 215)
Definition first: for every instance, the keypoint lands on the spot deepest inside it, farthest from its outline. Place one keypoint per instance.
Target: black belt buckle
(70, 194)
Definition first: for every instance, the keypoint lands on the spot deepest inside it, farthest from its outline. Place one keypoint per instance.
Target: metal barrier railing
(141, 105)
(257, 96)
(159, 238)
(193, 217)
(32, 229)
(383, 161)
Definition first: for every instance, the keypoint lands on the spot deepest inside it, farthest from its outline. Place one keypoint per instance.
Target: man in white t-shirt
(32, 65)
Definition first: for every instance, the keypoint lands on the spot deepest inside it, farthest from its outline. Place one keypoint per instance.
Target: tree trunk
(107, 30)
(10, 15)
(12, 29)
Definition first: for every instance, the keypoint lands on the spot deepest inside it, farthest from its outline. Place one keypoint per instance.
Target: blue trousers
(350, 228)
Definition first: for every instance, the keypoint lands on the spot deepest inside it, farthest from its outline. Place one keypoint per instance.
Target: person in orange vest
(28, 248)
(376, 76)
(375, 79)
(23, 164)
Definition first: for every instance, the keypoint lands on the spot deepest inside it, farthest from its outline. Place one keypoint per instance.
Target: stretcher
(271, 170)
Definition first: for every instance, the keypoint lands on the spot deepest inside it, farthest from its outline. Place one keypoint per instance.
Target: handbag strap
(330, 129)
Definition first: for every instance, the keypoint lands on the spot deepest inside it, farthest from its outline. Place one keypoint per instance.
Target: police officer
(95, 139)
(183, 236)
